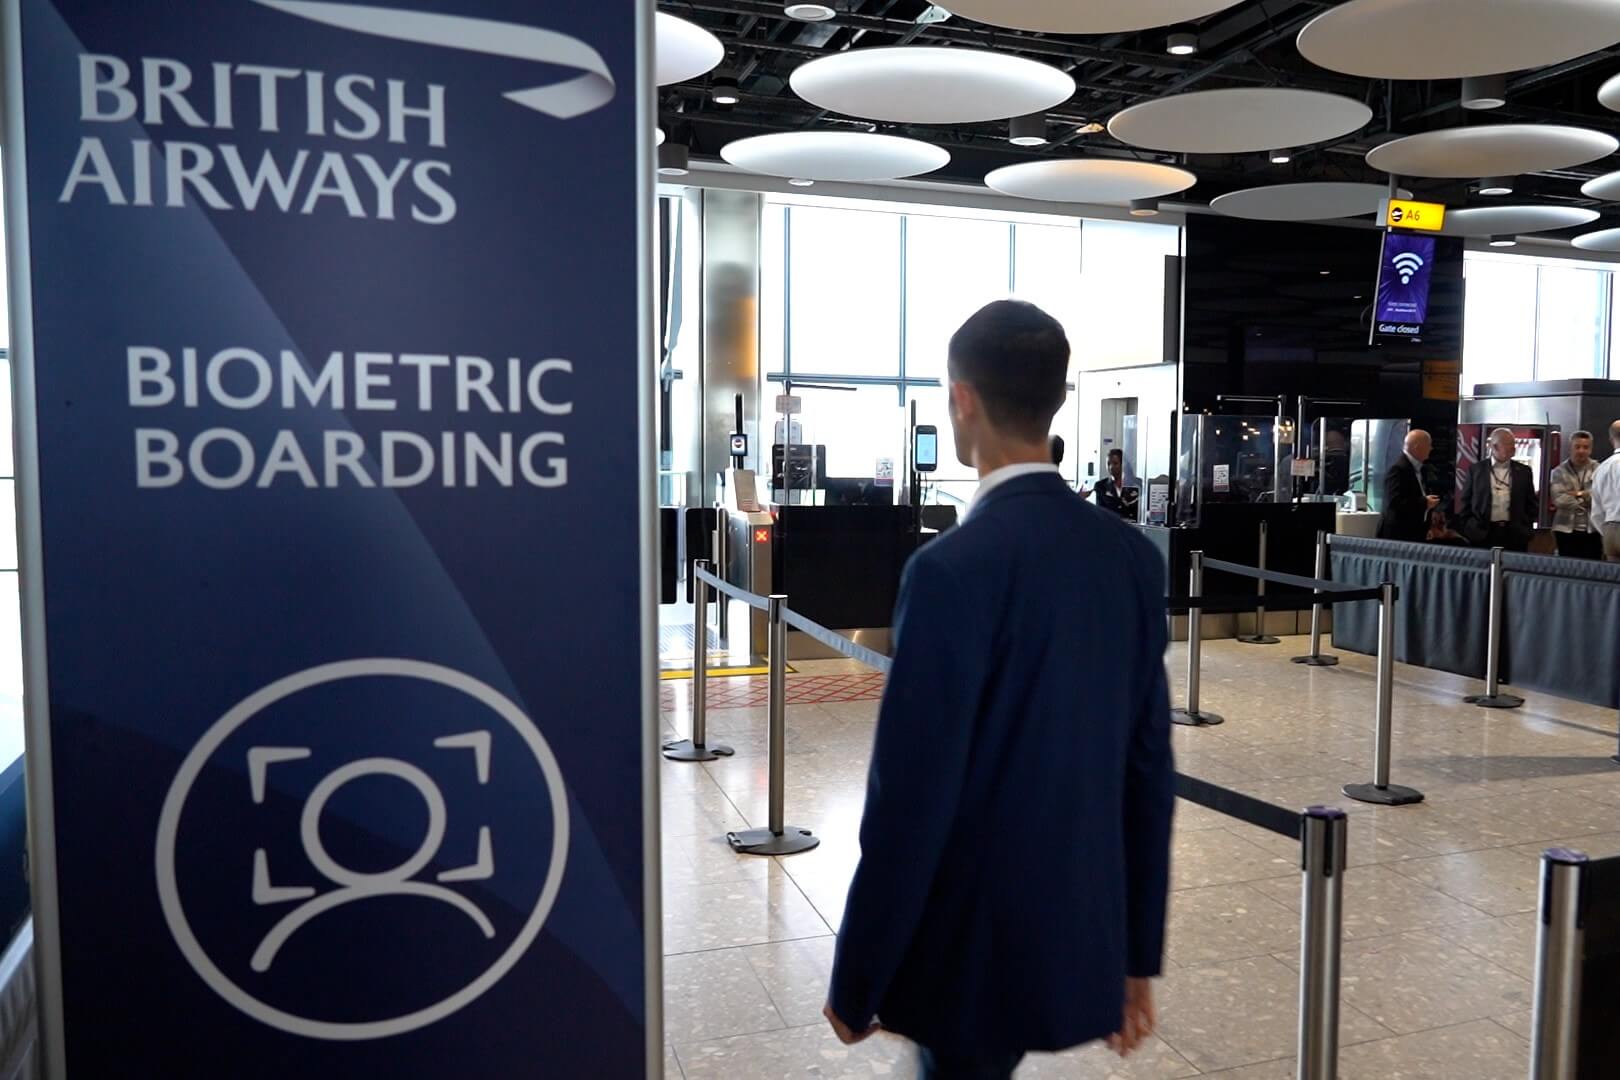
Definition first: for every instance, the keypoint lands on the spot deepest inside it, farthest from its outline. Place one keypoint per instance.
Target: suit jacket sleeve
(1473, 528)
(1526, 510)
(919, 762)
(1150, 777)
(1405, 508)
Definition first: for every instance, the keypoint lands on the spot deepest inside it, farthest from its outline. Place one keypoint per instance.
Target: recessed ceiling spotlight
(1484, 92)
(1281, 157)
(1324, 273)
(1027, 130)
(810, 12)
(1504, 241)
(1144, 208)
(726, 91)
(1092, 128)
(799, 181)
(674, 159)
(1496, 185)
(1181, 43)
(659, 141)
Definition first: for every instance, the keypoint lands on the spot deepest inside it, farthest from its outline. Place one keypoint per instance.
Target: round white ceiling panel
(1087, 17)
(834, 155)
(915, 84)
(1609, 94)
(1453, 39)
(1302, 202)
(1090, 180)
(1238, 121)
(1606, 187)
(1602, 240)
(1511, 220)
(1492, 150)
(685, 50)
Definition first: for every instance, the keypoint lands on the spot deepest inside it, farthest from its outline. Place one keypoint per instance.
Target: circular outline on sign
(174, 803)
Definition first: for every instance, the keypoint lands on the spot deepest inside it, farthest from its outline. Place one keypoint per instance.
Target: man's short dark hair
(1017, 357)
(1587, 435)
(1116, 453)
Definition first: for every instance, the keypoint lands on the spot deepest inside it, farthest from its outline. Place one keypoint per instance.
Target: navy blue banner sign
(330, 345)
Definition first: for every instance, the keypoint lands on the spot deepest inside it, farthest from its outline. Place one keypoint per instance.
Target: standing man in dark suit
(1015, 850)
(1408, 493)
(1112, 494)
(1499, 505)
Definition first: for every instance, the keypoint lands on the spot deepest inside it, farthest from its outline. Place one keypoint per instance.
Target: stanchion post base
(685, 751)
(1195, 719)
(1394, 795)
(1317, 661)
(1494, 701)
(764, 842)
(1260, 639)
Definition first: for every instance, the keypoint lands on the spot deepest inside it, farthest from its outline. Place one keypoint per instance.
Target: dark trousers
(980, 1067)
(1580, 545)
(1503, 535)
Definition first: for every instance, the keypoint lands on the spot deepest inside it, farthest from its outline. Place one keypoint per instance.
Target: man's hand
(846, 1034)
(1139, 1019)
(1433, 501)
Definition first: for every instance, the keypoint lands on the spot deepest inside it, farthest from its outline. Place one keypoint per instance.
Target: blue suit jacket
(1015, 847)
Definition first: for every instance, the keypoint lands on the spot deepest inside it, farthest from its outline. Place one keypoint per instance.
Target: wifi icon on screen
(1407, 264)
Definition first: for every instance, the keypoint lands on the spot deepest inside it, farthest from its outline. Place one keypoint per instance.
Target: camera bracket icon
(349, 885)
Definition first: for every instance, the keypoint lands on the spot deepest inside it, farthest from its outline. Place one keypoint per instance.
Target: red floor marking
(755, 692)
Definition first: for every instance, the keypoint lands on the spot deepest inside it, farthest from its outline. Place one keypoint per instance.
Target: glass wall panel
(1499, 321)
(1121, 312)
(843, 292)
(954, 266)
(1571, 322)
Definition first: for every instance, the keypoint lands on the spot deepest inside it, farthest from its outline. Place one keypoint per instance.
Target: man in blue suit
(1015, 848)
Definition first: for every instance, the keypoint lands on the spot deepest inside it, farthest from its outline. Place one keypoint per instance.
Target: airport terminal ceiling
(1248, 45)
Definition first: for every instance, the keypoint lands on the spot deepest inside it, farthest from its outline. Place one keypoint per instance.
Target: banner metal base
(764, 842)
(1494, 701)
(1260, 639)
(1393, 795)
(1195, 719)
(1317, 661)
(685, 751)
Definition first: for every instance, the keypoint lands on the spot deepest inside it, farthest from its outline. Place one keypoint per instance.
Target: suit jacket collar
(1043, 483)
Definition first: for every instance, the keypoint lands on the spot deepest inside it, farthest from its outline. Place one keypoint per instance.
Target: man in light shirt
(1499, 505)
(1606, 498)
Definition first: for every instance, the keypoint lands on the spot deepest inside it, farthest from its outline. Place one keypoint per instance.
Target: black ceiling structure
(1248, 45)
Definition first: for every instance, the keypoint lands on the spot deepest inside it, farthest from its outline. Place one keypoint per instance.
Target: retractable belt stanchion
(1560, 948)
(1260, 637)
(1493, 698)
(777, 839)
(697, 748)
(1191, 716)
(1323, 837)
(1381, 791)
(1316, 659)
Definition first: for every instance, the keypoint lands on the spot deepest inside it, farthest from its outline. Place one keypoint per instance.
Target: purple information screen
(1403, 285)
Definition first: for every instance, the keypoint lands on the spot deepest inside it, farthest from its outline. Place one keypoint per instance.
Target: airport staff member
(1499, 505)
(972, 928)
(1407, 498)
(1577, 537)
(1112, 495)
(1606, 498)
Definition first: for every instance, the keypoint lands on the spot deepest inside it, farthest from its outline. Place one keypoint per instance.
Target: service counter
(839, 566)
(1231, 532)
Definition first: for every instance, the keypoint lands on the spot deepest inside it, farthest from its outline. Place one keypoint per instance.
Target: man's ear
(966, 401)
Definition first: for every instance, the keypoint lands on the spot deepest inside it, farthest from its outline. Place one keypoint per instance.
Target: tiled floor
(1439, 930)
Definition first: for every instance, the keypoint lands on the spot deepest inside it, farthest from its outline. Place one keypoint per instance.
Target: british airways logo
(401, 174)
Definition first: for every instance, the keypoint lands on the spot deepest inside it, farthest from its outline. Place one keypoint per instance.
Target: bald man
(1409, 493)
(1499, 506)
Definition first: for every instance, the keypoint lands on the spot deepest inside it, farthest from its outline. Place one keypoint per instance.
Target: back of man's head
(1016, 357)
(1614, 434)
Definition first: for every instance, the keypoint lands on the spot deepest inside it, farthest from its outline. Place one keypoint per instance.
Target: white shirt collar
(1005, 474)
